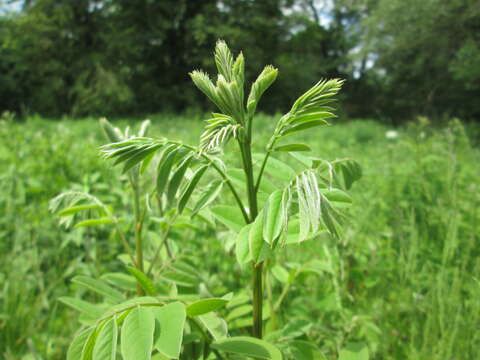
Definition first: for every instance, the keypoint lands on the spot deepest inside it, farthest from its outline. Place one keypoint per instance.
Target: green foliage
(179, 170)
(405, 267)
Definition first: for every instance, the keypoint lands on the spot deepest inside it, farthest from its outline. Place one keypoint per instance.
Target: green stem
(164, 242)
(268, 286)
(262, 169)
(257, 279)
(138, 234)
(208, 339)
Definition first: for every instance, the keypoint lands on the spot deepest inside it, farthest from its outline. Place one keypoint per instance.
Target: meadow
(404, 278)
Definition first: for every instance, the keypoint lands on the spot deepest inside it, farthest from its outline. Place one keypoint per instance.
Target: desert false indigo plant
(276, 206)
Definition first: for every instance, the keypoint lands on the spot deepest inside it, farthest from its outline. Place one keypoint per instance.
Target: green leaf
(224, 60)
(111, 133)
(172, 321)
(204, 306)
(354, 351)
(189, 190)
(248, 346)
(120, 280)
(239, 312)
(140, 155)
(276, 168)
(177, 178)
(87, 350)
(281, 274)
(99, 287)
(261, 84)
(351, 171)
(274, 217)
(255, 237)
(230, 216)
(137, 334)
(304, 126)
(74, 351)
(336, 195)
(78, 208)
(304, 350)
(94, 222)
(293, 147)
(164, 166)
(319, 115)
(143, 280)
(82, 306)
(106, 345)
(242, 250)
(215, 325)
(208, 196)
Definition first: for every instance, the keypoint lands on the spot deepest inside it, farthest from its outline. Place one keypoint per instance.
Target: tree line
(401, 58)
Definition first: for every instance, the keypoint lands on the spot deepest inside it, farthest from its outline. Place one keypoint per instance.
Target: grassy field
(404, 279)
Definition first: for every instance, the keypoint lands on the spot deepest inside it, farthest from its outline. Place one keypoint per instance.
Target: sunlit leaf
(137, 334)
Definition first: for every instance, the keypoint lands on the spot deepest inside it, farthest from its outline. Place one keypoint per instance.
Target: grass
(404, 279)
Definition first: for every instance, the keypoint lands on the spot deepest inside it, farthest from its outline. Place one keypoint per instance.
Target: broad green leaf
(78, 208)
(80, 305)
(94, 222)
(99, 287)
(255, 237)
(143, 280)
(106, 345)
(354, 351)
(215, 325)
(204, 306)
(230, 216)
(171, 318)
(74, 351)
(137, 334)
(248, 346)
(189, 190)
(242, 250)
(274, 217)
(208, 196)
(304, 350)
(292, 147)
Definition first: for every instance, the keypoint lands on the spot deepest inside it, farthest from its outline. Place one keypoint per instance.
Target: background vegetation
(117, 57)
(404, 279)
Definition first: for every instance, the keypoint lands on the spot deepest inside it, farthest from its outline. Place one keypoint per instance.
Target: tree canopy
(400, 58)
